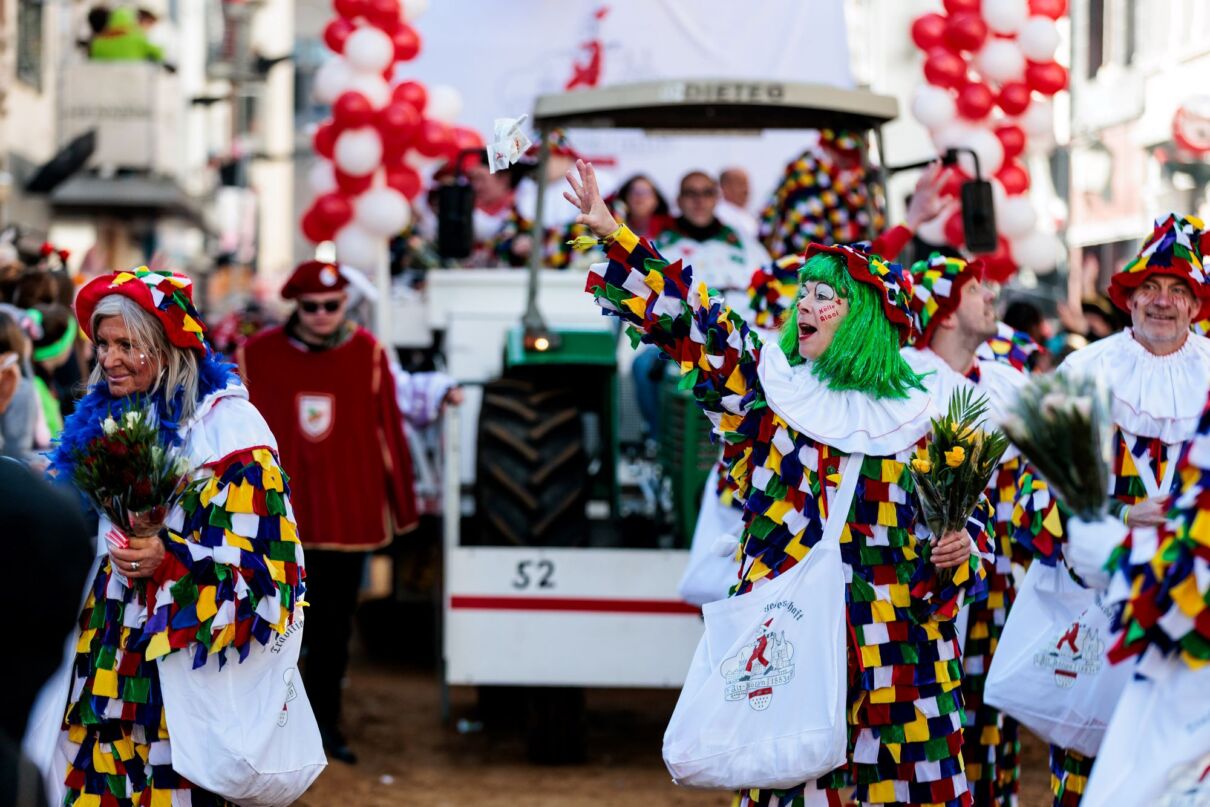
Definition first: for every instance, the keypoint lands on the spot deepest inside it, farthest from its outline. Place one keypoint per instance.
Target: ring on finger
(134, 566)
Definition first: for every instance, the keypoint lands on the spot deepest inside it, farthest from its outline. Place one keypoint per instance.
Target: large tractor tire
(532, 472)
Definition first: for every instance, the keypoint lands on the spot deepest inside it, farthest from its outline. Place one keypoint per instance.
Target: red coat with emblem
(340, 437)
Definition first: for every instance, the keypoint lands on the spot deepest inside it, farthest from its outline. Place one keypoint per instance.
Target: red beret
(313, 277)
(166, 295)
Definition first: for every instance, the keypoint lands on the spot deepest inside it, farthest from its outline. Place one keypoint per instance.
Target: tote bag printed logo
(761, 665)
(1189, 785)
(1076, 650)
(291, 693)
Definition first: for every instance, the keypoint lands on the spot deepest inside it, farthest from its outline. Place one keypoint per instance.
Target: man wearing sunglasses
(326, 388)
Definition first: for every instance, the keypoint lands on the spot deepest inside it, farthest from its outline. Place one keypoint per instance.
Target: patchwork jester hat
(166, 295)
(1174, 248)
(937, 291)
(890, 280)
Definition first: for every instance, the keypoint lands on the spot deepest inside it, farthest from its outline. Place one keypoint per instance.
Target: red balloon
(411, 92)
(398, 124)
(953, 182)
(1012, 138)
(314, 228)
(435, 139)
(349, 8)
(352, 110)
(955, 234)
(1014, 98)
(334, 209)
(965, 32)
(405, 180)
(351, 185)
(336, 33)
(998, 266)
(1048, 8)
(944, 68)
(927, 31)
(407, 42)
(975, 101)
(467, 139)
(324, 140)
(1013, 177)
(382, 13)
(962, 6)
(1045, 77)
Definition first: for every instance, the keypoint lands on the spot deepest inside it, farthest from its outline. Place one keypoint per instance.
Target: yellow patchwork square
(901, 595)
(882, 792)
(206, 606)
(886, 514)
(882, 611)
(917, 731)
(102, 760)
(871, 657)
(105, 683)
(239, 498)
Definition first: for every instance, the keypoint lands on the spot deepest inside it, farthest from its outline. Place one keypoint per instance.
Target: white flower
(109, 425)
(1083, 407)
(1013, 425)
(132, 418)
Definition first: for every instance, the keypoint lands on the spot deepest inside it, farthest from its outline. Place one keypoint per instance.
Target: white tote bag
(764, 701)
(1050, 671)
(1157, 748)
(713, 568)
(245, 732)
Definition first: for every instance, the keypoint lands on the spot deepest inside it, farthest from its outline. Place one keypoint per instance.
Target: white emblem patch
(316, 413)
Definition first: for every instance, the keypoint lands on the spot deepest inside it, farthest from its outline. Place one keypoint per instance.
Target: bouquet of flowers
(130, 474)
(953, 470)
(1062, 426)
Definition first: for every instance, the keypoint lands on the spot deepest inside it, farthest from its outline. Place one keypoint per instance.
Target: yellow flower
(921, 465)
(955, 456)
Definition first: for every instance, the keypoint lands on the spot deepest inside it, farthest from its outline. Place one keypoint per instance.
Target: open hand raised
(585, 195)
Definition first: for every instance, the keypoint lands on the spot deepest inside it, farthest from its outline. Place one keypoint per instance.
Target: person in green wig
(54, 348)
(788, 413)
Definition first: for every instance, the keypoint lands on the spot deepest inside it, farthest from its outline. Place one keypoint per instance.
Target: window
(29, 42)
(1096, 37)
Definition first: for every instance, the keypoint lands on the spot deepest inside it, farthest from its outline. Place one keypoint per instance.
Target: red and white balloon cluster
(379, 135)
(990, 72)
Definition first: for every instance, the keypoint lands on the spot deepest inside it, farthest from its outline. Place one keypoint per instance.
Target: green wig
(864, 354)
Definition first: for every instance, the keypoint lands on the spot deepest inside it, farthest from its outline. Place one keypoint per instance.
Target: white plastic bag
(764, 701)
(712, 570)
(1050, 671)
(1157, 748)
(245, 732)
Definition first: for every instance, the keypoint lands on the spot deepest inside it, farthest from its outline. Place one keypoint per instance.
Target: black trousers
(333, 581)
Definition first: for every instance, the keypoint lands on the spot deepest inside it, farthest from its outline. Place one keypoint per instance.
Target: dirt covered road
(409, 758)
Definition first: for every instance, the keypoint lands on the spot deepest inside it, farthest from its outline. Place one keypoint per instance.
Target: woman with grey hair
(220, 575)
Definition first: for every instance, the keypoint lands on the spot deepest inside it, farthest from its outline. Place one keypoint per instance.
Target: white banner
(501, 56)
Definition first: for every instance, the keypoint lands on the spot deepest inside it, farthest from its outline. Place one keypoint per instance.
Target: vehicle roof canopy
(708, 104)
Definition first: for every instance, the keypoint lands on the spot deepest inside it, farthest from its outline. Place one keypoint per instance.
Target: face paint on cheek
(829, 311)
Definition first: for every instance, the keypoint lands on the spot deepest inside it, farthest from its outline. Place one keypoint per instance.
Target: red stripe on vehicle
(572, 604)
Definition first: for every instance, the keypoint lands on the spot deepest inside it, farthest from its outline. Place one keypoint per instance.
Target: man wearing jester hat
(955, 314)
(833, 384)
(1158, 374)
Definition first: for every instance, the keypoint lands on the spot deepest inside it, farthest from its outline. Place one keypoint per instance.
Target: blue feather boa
(84, 424)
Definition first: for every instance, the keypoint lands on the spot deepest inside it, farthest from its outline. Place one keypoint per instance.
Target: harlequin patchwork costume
(991, 748)
(785, 432)
(1155, 405)
(231, 579)
(334, 409)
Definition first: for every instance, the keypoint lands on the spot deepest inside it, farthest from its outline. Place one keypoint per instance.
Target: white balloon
(358, 151)
(977, 138)
(373, 86)
(1005, 16)
(1039, 39)
(425, 166)
(444, 104)
(321, 178)
(414, 8)
(1037, 251)
(332, 79)
(1016, 218)
(369, 49)
(1000, 61)
(1038, 119)
(933, 106)
(382, 212)
(999, 197)
(359, 248)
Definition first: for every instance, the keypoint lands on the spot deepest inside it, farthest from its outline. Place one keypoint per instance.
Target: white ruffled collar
(1151, 396)
(848, 420)
(999, 383)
